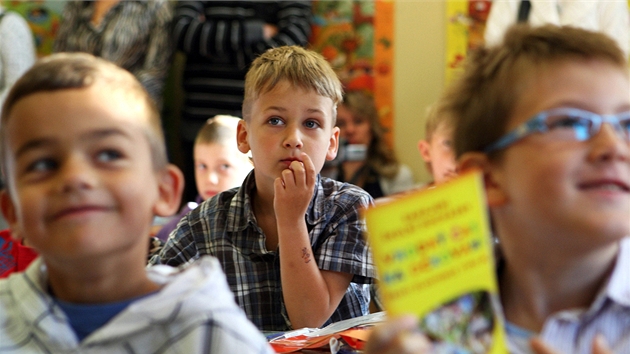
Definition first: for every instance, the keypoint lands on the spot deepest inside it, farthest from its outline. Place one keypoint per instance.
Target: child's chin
(209, 195)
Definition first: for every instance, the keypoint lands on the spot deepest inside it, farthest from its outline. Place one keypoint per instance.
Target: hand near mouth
(294, 189)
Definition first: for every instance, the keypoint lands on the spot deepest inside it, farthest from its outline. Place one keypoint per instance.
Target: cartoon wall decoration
(465, 24)
(356, 37)
(43, 17)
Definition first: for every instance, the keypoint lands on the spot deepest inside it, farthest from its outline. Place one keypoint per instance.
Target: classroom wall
(419, 66)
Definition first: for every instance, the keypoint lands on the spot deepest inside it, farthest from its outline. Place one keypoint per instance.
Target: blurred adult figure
(366, 159)
(220, 40)
(135, 35)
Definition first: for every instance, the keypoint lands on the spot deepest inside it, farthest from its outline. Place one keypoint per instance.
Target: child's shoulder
(220, 203)
(332, 197)
(333, 189)
(178, 315)
(204, 276)
(185, 297)
(22, 296)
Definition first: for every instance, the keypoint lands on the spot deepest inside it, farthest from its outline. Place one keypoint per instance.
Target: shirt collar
(618, 287)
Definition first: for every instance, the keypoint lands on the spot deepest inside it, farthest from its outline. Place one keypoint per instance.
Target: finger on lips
(297, 166)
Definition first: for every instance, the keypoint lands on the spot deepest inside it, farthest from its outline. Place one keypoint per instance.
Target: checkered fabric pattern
(194, 312)
(225, 227)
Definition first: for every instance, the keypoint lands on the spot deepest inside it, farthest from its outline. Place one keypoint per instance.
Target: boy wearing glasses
(546, 117)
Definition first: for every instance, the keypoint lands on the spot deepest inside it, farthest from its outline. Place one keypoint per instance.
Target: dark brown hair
(380, 157)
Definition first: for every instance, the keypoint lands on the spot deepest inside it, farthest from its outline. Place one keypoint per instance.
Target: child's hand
(600, 346)
(294, 190)
(398, 336)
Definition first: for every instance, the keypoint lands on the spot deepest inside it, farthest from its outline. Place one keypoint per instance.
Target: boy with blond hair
(219, 165)
(290, 241)
(85, 163)
(436, 149)
(546, 117)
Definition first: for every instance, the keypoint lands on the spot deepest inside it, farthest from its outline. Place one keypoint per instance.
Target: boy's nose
(609, 144)
(350, 128)
(76, 174)
(213, 177)
(293, 139)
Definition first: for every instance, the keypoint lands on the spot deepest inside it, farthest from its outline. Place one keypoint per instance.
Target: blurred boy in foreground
(546, 117)
(85, 164)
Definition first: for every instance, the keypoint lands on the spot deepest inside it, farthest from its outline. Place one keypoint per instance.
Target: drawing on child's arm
(306, 255)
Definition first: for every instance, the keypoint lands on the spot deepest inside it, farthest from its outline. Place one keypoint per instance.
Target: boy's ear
(241, 137)
(8, 211)
(171, 187)
(423, 148)
(334, 144)
(476, 160)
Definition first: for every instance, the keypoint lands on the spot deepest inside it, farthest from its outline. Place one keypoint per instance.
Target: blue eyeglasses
(565, 124)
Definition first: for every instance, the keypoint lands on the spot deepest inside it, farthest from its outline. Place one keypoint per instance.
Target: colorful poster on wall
(43, 18)
(356, 37)
(465, 24)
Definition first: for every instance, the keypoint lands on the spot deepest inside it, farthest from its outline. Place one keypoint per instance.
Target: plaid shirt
(225, 227)
(194, 312)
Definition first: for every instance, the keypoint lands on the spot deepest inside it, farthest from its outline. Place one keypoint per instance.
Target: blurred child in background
(15, 255)
(219, 165)
(436, 149)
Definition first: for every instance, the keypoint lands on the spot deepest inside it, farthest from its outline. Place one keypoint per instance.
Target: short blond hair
(65, 71)
(437, 114)
(300, 67)
(484, 97)
(220, 129)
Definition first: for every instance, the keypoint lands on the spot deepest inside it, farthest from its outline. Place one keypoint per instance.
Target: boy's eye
(572, 122)
(108, 155)
(224, 167)
(275, 121)
(579, 127)
(359, 121)
(625, 125)
(311, 124)
(42, 165)
(200, 166)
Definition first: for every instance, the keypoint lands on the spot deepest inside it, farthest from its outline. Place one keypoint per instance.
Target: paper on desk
(316, 338)
(336, 327)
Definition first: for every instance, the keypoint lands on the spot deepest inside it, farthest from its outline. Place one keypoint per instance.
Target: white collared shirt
(194, 312)
(573, 331)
